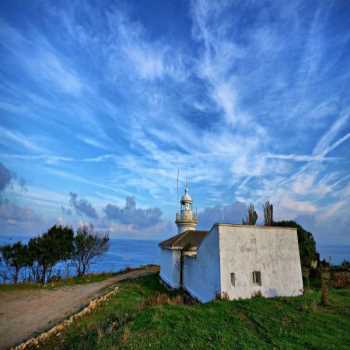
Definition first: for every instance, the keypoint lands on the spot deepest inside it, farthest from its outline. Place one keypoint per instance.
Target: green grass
(89, 278)
(144, 315)
(59, 283)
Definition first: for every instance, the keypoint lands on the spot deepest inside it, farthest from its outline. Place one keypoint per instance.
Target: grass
(98, 277)
(144, 315)
(70, 281)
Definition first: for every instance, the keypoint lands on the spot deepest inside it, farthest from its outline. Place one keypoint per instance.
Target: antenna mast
(177, 187)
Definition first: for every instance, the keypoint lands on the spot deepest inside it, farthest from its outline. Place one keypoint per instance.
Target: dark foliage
(58, 244)
(15, 257)
(47, 250)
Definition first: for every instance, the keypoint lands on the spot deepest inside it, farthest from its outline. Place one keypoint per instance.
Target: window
(257, 277)
(233, 279)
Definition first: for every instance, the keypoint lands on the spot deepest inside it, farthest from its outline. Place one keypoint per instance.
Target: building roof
(187, 240)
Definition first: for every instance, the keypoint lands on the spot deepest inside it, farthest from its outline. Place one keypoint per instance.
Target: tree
(87, 246)
(48, 249)
(307, 244)
(268, 214)
(15, 257)
(252, 216)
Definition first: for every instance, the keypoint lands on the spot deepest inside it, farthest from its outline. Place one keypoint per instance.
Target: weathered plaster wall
(272, 250)
(202, 273)
(170, 267)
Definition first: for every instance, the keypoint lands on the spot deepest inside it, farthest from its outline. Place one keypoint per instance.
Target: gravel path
(27, 312)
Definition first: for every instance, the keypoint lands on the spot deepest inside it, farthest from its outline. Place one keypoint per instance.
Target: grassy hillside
(59, 283)
(70, 281)
(143, 315)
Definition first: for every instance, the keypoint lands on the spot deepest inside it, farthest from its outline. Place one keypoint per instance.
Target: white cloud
(300, 157)
(41, 60)
(323, 146)
(149, 59)
(218, 58)
(332, 210)
(303, 183)
(19, 139)
(49, 67)
(255, 114)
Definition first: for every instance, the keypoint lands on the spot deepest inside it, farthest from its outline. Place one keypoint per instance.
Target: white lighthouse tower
(186, 219)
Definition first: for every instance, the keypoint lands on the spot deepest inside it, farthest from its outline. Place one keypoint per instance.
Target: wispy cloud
(211, 28)
(146, 59)
(19, 139)
(300, 157)
(323, 146)
(42, 60)
(249, 100)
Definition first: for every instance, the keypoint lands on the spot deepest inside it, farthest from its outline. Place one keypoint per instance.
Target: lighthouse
(186, 219)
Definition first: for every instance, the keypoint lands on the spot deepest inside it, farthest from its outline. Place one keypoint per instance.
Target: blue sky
(101, 102)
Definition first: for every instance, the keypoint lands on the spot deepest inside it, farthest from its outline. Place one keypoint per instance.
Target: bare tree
(87, 246)
(252, 216)
(268, 213)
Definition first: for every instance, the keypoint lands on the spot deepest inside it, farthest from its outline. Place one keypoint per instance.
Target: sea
(125, 253)
(122, 253)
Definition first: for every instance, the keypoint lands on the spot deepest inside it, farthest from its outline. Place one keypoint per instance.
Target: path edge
(56, 330)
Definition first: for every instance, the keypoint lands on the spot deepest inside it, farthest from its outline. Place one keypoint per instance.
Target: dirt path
(25, 312)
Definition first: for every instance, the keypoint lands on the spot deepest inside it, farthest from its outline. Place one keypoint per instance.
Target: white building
(234, 261)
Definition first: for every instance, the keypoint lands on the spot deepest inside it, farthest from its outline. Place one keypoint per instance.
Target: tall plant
(268, 213)
(252, 216)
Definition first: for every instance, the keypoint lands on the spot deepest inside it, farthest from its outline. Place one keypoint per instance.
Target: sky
(102, 102)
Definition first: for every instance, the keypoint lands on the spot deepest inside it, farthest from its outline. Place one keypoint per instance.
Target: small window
(233, 278)
(257, 277)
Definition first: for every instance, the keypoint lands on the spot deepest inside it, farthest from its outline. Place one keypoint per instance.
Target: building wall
(202, 273)
(273, 251)
(170, 267)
